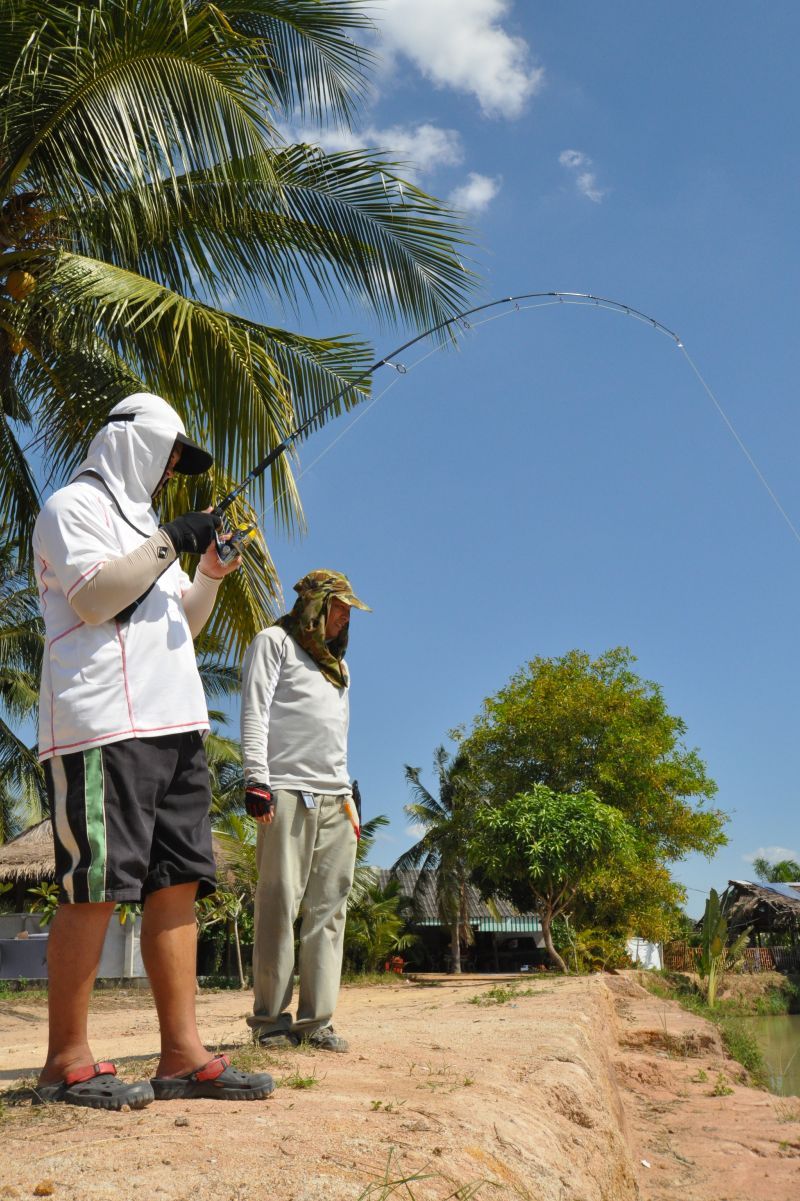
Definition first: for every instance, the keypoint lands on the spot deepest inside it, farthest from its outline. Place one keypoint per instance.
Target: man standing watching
(121, 719)
(295, 716)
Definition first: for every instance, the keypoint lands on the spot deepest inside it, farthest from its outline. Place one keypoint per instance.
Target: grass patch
(394, 1182)
(297, 1080)
(22, 991)
(501, 994)
(721, 1087)
(788, 1110)
(368, 979)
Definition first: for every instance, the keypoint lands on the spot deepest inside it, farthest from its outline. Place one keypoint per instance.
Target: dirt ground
(565, 1090)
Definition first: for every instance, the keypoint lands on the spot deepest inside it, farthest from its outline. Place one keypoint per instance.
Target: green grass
(499, 994)
(394, 1182)
(296, 1080)
(22, 991)
(365, 979)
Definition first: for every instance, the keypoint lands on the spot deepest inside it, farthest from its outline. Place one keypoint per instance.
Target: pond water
(779, 1039)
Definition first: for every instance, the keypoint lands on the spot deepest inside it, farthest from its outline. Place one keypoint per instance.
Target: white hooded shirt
(135, 679)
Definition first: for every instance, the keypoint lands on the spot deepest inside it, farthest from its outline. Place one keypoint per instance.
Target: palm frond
(129, 92)
(315, 68)
(332, 221)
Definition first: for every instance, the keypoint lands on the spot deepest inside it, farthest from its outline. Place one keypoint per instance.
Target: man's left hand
(211, 564)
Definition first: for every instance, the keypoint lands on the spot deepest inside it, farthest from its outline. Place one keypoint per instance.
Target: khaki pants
(306, 858)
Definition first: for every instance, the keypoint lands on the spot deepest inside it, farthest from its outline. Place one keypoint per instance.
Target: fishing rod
(232, 543)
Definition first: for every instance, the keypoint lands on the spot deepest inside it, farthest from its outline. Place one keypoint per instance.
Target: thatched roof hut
(30, 857)
(766, 908)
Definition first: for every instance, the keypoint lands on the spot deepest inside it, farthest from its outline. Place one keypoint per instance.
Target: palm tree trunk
(238, 945)
(555, 958)
(455, 949)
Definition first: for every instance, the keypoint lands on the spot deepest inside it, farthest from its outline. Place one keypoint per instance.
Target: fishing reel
(230, 542)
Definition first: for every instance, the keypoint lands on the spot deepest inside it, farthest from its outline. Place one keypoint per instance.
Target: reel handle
(229, 548)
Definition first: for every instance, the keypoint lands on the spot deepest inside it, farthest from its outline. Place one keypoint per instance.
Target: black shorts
(131, 817)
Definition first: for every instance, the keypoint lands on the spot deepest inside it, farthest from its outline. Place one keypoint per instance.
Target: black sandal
(216, 1080)
(95, 1087)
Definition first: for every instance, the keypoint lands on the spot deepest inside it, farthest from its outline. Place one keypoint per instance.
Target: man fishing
(295, 716)
(121, 722)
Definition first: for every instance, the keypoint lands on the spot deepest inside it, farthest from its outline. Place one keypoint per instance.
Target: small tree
(716, 956)
(540, 847)
(578, 724)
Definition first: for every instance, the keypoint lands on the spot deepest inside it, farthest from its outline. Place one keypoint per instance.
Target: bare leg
(169, 950)
(73, 955)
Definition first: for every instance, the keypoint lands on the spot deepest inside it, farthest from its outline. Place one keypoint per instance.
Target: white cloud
(476, 194)
(461, 44)
(572, 158)
(422, 147)
(587, 186)
(415, 832)
(585, 180)
(772, 854)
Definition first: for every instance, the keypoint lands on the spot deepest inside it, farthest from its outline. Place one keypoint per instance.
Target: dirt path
(557, 1094)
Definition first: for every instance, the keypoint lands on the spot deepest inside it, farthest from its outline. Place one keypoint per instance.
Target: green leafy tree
(781, 871)
(442, 849)
(539, 848)
(21, 642)
(717, 955)
(145, 193)
(576, 724)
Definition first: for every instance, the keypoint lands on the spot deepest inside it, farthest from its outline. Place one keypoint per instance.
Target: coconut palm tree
(445, 822)
(780, 871)
(21, 641)
(146, 196)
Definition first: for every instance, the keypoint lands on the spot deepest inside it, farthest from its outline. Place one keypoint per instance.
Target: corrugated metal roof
(421, 885)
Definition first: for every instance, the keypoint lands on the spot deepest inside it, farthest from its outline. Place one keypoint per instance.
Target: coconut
(19, 283)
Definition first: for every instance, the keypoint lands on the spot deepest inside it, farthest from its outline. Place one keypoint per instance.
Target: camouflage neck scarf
(307, 621)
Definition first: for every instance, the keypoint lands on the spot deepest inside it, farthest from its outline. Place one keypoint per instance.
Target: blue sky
(563, 481)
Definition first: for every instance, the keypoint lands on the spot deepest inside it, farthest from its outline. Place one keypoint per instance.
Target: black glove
(193, 532)
(356, 791)
(259, 801)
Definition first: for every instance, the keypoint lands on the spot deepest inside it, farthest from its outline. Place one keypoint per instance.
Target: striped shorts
(131, 817)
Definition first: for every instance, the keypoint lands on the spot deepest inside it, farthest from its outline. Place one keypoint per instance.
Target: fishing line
(462, 327)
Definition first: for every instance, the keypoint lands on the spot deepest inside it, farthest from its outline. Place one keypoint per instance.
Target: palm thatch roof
(30, 856)
(767, 908)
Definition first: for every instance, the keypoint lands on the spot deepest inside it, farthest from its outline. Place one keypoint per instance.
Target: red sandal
(217, 1080)
(97, 1087)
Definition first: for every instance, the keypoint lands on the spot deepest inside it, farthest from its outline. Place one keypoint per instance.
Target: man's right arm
(260, 674)
(122, 580)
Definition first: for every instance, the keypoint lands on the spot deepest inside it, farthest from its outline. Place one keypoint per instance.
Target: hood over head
(131, 452)
(307, 621)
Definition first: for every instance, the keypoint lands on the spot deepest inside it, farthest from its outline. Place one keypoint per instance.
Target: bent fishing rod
(234, 541)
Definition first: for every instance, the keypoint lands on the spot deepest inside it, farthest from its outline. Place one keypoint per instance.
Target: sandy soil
(573, 1090)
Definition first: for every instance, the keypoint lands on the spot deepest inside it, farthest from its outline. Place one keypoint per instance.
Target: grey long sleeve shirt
(294, 721)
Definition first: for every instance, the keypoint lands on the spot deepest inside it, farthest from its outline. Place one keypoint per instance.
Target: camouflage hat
(332, 582)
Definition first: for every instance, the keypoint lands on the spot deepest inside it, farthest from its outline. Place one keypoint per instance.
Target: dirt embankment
(569, 1090)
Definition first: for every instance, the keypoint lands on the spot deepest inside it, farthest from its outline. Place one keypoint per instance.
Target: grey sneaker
(277, 1040)
(325, 1039)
